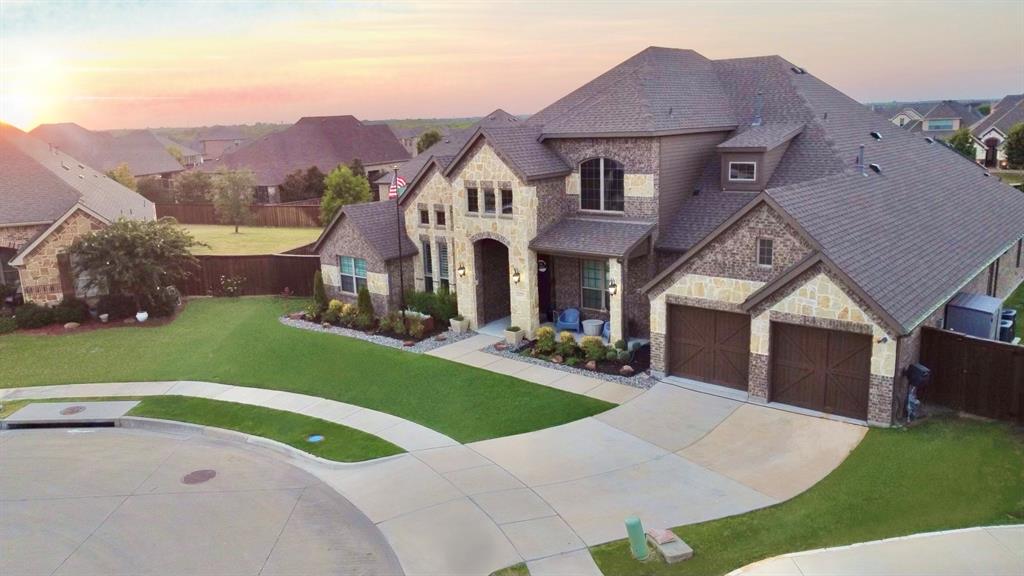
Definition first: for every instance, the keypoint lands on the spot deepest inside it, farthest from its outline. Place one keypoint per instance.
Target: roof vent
(860, 159)
(82, 176)
(875, 168)
(798, 70)
(64, 166)
(929, 139)
(987, 174)
(876, 135)
(758, 108)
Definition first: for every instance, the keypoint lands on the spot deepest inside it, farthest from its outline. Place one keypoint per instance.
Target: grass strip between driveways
(340, 443)
(240, 341)
(940, 475)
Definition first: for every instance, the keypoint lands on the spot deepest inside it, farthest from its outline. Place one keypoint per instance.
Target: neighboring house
(47, 200)
(144, 154)
(188, 157)
(991, 131)
(410, 137)
(761, 229)
(216, 141)
(939, 119)
(321, 141)
(362, 249)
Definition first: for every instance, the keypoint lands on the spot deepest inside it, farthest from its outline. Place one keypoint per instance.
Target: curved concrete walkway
(668, 455)
(989, 551)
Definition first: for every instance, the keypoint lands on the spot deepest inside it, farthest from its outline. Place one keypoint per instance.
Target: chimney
(758, 108)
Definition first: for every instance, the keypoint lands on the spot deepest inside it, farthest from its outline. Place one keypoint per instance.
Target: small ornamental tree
(193, 187)
(154, 189)
(357, 168)
(962, 142)
(134, 258)
(319, 293)
(342, 188)
(123, 176)
(1014, 146)
(428, 139)
(302, 185)
(232, 197)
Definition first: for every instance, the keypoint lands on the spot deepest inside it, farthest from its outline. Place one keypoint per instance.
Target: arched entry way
(493, 294)
(991, 152)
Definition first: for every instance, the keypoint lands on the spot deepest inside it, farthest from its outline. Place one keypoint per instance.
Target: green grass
(1016, 301)
(249, 240)
(943, 474)
(1010, 176)
(340, 443)
(240, 341)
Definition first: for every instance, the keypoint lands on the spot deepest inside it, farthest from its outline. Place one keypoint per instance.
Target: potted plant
(459, 324)
(513, 335)
(141, 316)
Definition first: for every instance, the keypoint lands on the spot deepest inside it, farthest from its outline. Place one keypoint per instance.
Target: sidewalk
(470, 353)
(991, 551)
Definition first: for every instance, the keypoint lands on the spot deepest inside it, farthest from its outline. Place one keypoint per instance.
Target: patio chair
(569, 319)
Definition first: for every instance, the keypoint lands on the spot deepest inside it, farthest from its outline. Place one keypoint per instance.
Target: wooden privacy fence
(972, 375)
(264, 274)
(291, 216)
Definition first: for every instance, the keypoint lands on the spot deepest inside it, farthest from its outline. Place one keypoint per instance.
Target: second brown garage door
(823, 370)
(709, 345)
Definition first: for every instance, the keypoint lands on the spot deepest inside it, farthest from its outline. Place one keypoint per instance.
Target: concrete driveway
(114, 501)
(670, 456)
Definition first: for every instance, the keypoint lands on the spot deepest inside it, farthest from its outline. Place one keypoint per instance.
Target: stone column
(616, 310)
(523, 295)
(465, 286)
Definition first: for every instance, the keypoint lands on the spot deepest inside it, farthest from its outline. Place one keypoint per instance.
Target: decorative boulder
(590, 365)
(297, 316)
(501, 346)
(627, 370)
(325, 324)
(129, 320)
(440, 337)
(71, 325)
(556, 359)
(408, 343)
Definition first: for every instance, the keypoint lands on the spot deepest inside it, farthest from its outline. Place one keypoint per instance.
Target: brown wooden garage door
(824, 370)
(709, 345)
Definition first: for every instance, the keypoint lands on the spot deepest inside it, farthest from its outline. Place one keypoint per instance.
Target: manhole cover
(314, 438)
(72, 410)
(198, 476)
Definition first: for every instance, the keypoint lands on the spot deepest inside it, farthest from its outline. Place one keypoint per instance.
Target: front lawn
(1016, 301)
(943, 474)
(249, 240)
(240, 341)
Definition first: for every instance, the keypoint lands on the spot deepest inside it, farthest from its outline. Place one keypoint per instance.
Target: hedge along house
(47, 200)
(360, 247)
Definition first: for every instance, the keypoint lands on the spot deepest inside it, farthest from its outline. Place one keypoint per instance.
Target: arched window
(602, 185)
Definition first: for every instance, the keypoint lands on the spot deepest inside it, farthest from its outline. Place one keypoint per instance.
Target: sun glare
(31, 89)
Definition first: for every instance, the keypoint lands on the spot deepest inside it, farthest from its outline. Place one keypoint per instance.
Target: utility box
(975, 315)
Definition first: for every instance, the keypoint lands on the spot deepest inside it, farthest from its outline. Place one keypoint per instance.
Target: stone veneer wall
(640, 158)
(433, 194)
(40, 276)
(15, 237)
(346, 240)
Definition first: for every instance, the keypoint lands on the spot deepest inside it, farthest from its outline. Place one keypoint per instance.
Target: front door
(545, 275)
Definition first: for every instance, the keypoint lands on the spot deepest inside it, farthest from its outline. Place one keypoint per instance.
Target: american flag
(397, 185)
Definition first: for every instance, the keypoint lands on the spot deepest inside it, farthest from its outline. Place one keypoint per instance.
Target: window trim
(472, 197)
(443, 266)
(441, 218)
(354, 275)
(605, 303)
(511, 196)
(428, 265)
(424, 217)
(602, 192)
(761, 243)
(492, 194)
(752, 163)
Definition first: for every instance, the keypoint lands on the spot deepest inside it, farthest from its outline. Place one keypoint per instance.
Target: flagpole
(401, 265)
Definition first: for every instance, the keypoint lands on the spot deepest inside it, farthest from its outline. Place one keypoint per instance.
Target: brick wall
(640, 158)
(15, 237)
(346, 240)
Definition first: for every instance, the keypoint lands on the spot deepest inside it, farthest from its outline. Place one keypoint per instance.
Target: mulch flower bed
(640, 363)
(435, 339)
(94, 324)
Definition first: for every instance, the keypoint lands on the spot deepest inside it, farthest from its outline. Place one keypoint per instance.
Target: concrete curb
(188, 429)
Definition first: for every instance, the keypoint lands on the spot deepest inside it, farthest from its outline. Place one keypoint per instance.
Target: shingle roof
(221, 133)
(591, 237)
(38, 184)
(888, 232)
(763, 137)
(1004, 115)
(321, 141)
(377, 223)
(139, 149)
(168, 143)
(521, 149)
(659, 90)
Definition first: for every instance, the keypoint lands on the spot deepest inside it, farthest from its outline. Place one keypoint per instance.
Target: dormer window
(602, 185)
(742, 171)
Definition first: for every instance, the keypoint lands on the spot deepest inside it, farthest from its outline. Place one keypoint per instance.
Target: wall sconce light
(461, 270)
(882, 340)
(613, 288)
(516, 276)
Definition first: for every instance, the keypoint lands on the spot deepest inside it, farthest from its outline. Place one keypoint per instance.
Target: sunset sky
(128, 65)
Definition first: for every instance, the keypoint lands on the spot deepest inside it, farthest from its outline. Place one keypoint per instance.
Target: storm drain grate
(198, 476)
(72, 410)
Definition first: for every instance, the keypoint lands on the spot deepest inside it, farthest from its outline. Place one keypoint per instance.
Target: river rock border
(643, 381)
(418, 348)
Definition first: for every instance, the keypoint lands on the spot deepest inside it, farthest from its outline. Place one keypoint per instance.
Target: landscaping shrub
(312, 311)
(446, 306)
(593, 348)
(333, 312)
(512, 329)
(571, 360)
(363, 321)
(31, 315)
(231, 286)
(6, 290)
(545, 340)
(162, 302)
(567, 347)
(7, 325)
(364, 303)
(348, 314)
(393, 322)
(117, 306)
(416, 327)
(623, 356)
(319, 294)
(620, 344)
(611, 354)
(422, 302)
(71, 310)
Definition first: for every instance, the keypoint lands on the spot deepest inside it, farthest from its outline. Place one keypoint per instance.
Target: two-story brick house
(765, 232)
